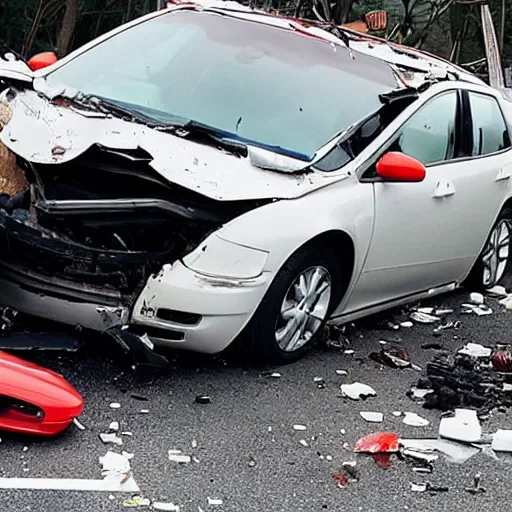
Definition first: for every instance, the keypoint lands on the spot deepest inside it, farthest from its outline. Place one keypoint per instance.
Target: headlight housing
(217, 257)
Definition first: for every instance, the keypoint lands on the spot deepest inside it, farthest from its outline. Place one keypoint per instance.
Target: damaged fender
(34, 400)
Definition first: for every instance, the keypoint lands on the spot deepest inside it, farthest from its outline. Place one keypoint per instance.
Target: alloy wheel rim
(304, 308)
(496, 253)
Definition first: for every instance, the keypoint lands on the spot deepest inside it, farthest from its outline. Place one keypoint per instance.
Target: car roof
(414, 67)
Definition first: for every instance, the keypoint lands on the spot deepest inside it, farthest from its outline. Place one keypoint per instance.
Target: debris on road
(111, 438)
(136, 501)
(357, 391)
(348, 473)
(497, 291)
(214, 501)
(178, 456)
(455, 452)
(372, 417)
(502, 361)
(428, 487)
(320, 382)
(502, 441)
(477, 488)
(383, 460)
(168, 507)
(424, 318)
(475, 350)
(114, 426)
(479, 310)
(476, 298)
(419, 393)
(115, 405)
(78, 424)
(341, 480)
(394, 357)
(304, 443)
(414, 420)
(299, 427)
(378, 442)
(203, 399)
(341, 372)
(462, 426)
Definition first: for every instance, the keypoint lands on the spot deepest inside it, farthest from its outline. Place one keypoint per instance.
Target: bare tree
(68, 28)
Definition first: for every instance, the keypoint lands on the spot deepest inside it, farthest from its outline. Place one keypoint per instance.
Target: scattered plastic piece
(463, 426)
(169, 507)
(396, 414)
(423, 318)
(144, 411)
(275, 375)
(303, 442)
(127, 455)
(299, 427)
(136, 501)
(129, 434)
(213, 501)
(372, 417)
(341, 480)
(476, 298)
(115, 405)
(418, 487)
(455, 452)
(480, 310)
(114, 426)
(502, 361)
(395, 357)
(406, 324)
(78, 424)
(111, 438)
(443, 311)
(425, 310)
(497, 291)
(320, 382)
(357, 391)
(341, 372)
(115, 465)
(420, 393)
(378, 442)
(178, 456)
(203, 399)
(475, 350)
(507, 302)
(502, 441)
(349, 352)
(414, 420)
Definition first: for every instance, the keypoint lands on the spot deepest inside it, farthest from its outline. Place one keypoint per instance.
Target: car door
(429, 234)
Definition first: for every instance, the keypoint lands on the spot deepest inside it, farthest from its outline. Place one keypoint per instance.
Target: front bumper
(212, 311)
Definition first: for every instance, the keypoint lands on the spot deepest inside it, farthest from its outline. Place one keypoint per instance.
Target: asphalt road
(240, 459)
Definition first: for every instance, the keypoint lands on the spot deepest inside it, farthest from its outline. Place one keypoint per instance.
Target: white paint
(70, 484)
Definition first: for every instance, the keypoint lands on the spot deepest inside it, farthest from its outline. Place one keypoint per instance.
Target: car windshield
(264, 85)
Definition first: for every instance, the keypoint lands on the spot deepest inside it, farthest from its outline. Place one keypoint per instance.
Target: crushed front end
(80, 241)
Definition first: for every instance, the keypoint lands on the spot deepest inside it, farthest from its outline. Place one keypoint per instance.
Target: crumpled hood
(41, 132)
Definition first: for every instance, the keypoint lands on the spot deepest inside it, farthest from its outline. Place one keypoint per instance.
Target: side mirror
(394, 166)
(42, 60)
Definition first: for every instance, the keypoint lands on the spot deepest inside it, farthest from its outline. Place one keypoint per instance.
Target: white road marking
(70, 484)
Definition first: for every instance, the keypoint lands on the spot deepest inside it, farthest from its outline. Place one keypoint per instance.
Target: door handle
(504, 173)
(444, 188)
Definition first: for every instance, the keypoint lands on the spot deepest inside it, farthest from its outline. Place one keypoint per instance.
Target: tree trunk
(32, 31)
(68, 28)
(341, 11)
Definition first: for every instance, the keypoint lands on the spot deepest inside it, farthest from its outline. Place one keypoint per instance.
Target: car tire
(494, 265)
(260, 338)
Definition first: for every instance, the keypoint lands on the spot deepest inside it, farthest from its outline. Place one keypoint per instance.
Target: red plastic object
(395, 166)
(502, 361)
(379, 442)
(34, 400)
(42, 60)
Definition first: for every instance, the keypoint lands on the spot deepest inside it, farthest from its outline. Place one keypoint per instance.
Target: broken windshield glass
(268, 86)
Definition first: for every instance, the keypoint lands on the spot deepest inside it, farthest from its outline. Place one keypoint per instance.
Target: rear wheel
(291, 317)
(494, 265)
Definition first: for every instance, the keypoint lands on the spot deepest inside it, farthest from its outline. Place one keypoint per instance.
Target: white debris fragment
(144, 411)
(464, 426)
(193, 443)
(372, 417)
(78, 424)
(303, 442)
(318, 379)
(127, 455)
(112, 438)
(476, 298)
(480, 310)
(426, 457)
(214, 501)
(349, 352)
(497, 291)
(418, 487)
(507, 302)
(114, 465)
(507, 388)
(455, 452)
(425, 311)
(502, 441)
(115, 405)
(275, 375)
(136, 501)
(383, 342)
(269, 429)
(423, 318)
(299, 427)
(328, 457)
(414, 420)
(25, 448)
(357, 390)
(169, 507)
(396, 414)
(343, 431)
(406, 324)
(178, 456)
(420, 393)
(114, 426)
(475, 350)
(129, 434)
(341, 372)
(443, 311)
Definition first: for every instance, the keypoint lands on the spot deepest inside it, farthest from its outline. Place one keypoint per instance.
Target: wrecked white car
(208, 174)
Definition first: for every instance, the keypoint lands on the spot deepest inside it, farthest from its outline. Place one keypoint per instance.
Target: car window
(429, 135)
(489, 128)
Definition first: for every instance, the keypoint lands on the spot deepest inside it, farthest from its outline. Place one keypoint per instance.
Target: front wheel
(296, 306)
(494, 265)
